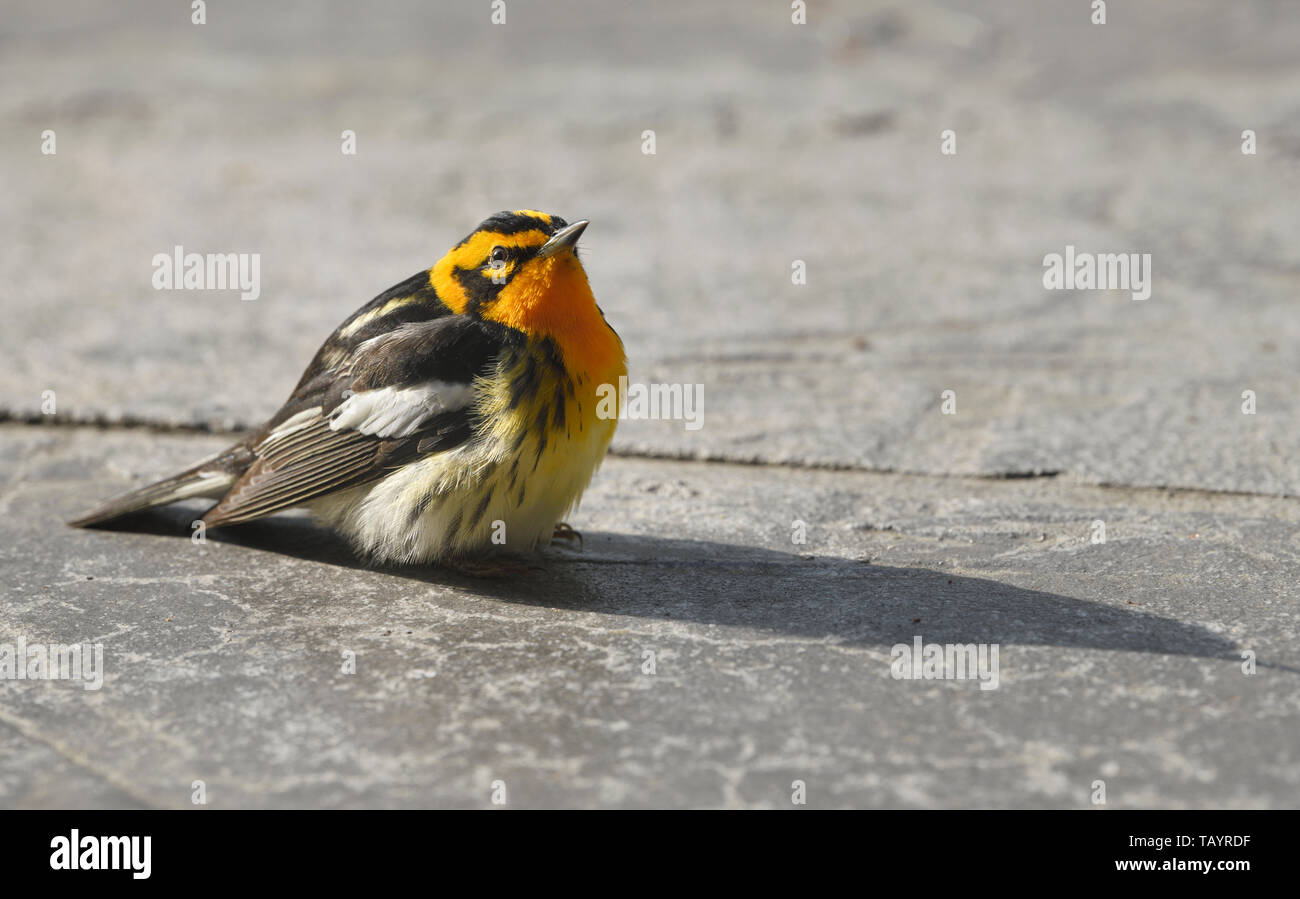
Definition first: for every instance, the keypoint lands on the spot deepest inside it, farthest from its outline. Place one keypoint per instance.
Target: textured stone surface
(774, 143)
(1118, 661)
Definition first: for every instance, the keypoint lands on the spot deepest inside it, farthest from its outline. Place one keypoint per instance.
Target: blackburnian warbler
(455, 411)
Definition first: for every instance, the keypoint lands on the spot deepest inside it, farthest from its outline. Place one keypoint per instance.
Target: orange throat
(555, 301)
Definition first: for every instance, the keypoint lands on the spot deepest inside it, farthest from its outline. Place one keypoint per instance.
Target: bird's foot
(565, 531)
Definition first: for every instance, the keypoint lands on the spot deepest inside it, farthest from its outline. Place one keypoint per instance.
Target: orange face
(521, 269)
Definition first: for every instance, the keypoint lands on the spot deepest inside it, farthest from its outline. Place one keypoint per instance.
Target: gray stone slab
(1119, 661)
(39, 774)
(775, 142)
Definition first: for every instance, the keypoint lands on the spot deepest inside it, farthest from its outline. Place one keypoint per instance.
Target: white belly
(466, 502)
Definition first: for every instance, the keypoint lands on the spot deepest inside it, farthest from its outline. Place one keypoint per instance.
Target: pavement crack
(75, 758)
(122, 423)
(236, 429)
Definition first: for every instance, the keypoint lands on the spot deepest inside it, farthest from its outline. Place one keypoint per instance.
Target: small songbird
(454, 413)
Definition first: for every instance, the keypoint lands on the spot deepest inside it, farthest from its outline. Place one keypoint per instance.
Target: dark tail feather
(211, 478)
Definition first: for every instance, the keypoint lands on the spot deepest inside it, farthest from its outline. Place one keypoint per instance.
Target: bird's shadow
(854, 602)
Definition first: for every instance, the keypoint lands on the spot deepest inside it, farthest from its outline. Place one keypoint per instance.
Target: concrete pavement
(1120, 661)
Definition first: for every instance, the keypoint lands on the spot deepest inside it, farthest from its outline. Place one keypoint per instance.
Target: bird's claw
(565, 531)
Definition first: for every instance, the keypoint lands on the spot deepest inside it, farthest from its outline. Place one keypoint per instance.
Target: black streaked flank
(526, 384)
(519, 440)
(482, 507)
(550, 354)
(557, 421)
(421, 506)
(543, 413)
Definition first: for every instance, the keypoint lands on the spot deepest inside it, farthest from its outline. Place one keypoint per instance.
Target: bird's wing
(405, 393)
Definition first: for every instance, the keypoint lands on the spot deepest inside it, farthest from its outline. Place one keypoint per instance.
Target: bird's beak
(564, 239)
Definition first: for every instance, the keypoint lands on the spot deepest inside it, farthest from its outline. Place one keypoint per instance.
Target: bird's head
(519, 268)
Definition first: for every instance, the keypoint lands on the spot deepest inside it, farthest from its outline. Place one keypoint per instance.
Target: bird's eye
(498, 256)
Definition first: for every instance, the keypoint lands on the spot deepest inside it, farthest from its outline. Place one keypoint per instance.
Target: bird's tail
(210, 478)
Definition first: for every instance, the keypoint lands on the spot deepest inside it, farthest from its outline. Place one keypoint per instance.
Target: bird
(455, 414)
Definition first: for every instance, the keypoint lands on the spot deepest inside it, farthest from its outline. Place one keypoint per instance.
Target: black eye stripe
(509, 254)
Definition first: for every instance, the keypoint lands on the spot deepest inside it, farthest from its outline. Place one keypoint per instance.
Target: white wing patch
(399, 411)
